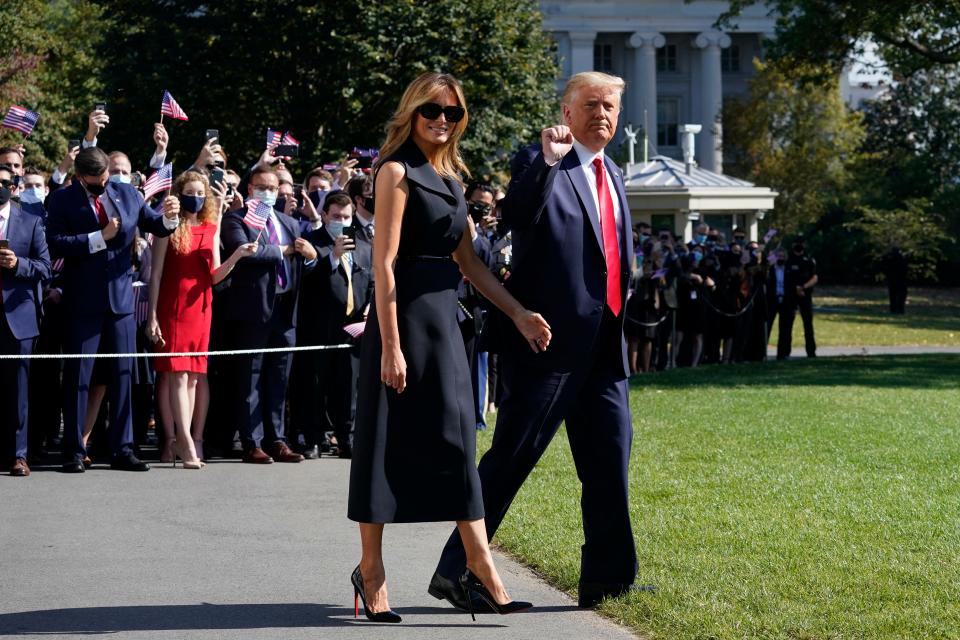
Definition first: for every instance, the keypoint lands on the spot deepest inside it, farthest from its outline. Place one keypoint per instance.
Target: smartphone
(100, 106)
(71, 144)
(135, 179)
(298, 194)
(216, 176)
(211, 134)
(350, 233)
(290, 150)
(4, 244)
(364, 162)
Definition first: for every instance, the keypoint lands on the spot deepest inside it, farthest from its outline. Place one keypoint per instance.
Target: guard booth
(667, 193)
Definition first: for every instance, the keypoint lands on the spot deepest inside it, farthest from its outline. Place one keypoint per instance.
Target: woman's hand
(393, 369)
(219, 190)
(153, 330)
(246, 249)
(535, 329)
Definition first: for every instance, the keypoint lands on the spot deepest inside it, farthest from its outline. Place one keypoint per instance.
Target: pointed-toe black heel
(469, 582)
(360, 595)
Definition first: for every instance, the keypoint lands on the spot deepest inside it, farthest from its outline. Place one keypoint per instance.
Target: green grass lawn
(860, 316)
(802, 499)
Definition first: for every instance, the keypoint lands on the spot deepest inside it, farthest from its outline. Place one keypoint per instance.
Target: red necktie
(101, 214)
(611, 246)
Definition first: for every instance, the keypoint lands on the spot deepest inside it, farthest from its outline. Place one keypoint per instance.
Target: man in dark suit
(257, 309)
(571, 230)
(92, 224)
(335, 294)
(24, 262)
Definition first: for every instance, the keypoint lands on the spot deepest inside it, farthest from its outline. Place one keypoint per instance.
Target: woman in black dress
(415, 436)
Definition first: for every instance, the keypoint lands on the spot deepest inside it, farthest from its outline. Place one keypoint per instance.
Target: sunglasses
(432, 111)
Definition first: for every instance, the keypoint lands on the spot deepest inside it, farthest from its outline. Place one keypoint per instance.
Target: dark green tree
(329, 72)
(48, 63)
(911, 34)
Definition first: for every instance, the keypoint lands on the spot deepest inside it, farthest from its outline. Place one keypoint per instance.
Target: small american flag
(355, 330)
(273, 137)
(330, 166)
(289, 139)
(169, 107)
(257, 214)
(161, 180)
(23, 120)
(57, 265)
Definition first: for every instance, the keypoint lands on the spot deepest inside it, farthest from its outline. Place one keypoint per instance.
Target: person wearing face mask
(33, 192)
(360, 190)
(91, 225)
(801, 277)
(185, 267)
(24, 263)
(754, 347)
(336, 293)
(120, 168)
(259, 309)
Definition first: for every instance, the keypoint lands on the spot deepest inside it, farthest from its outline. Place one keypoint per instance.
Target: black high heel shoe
(470, 582)
(359, 594)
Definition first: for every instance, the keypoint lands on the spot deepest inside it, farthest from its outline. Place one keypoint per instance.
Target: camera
(211, 134)
(478, 210)
(289, 150)
(100, 106)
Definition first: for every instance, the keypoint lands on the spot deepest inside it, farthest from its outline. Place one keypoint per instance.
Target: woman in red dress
(186, 265)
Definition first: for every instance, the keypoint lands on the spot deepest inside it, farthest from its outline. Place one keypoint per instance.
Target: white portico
(677, 65)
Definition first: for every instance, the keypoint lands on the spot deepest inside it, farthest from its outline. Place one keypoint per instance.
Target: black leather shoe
(443, 588)
(73, 466)
(311, 453)
(590, 595)
(129, 462)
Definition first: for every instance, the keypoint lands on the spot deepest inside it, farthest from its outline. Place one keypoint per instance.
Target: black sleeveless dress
(414, 453)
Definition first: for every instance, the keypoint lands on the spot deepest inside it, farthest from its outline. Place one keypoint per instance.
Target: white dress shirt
(4, 220)
(586, 164)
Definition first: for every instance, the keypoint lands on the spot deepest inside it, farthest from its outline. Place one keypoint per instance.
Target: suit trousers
(46, 393)
(260, 390)
(787, 315)
(90, 334)
(323, 392)
(14, 375)
(593, 400)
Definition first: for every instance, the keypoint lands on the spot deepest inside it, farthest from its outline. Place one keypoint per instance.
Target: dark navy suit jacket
(101, 282)
(323, 305)
(20, 302)
(249, 293)
(558, 267)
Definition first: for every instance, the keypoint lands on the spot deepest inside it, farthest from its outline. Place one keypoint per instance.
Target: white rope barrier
(187, 354)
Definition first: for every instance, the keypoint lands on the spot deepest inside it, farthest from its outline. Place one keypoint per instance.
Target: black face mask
(798, 249)
(4, 195)
(95, 189)
(368, 204)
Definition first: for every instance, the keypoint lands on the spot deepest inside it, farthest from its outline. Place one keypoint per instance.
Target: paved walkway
(910, 350)
(233, 552)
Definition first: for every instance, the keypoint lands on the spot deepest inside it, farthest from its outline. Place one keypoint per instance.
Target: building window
(668, 119)
(667, 58)
(730, 59)
(603, 57)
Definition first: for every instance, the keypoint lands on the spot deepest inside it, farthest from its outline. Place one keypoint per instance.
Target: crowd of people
(104, 271)
(711, 300)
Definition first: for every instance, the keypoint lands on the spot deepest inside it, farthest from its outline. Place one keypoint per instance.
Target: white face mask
(268, 198)
(33, 195)
(119, 177)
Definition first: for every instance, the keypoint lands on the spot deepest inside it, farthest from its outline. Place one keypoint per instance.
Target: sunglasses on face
(432, 111)
(7, 184)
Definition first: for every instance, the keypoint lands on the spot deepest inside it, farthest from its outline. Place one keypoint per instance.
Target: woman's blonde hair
(180, 240)
(427, 88)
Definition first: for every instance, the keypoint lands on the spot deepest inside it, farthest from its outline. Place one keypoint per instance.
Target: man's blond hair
(591, 79)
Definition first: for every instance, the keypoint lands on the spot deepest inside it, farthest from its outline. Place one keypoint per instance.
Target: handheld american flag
(257, 213)
(289, 139)
(169, 107)
(161, 180)
(23, 120)
(356, 329)
(273, 137)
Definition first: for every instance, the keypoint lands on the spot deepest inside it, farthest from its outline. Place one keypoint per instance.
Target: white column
(643, 92)
(581, 50)
(752, 227)
(709, 151)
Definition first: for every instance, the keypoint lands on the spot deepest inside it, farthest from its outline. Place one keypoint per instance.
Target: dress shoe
(257, 456)
(282, 453)
(443, 588)
(20, 468)
(344, 451)
(128, 462)
(311, 453)
(590, 595)
(73, 466)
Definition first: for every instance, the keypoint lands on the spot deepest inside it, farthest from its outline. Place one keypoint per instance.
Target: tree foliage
(329, 72)
(912, 34)
(48, 64)
(795, 137)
